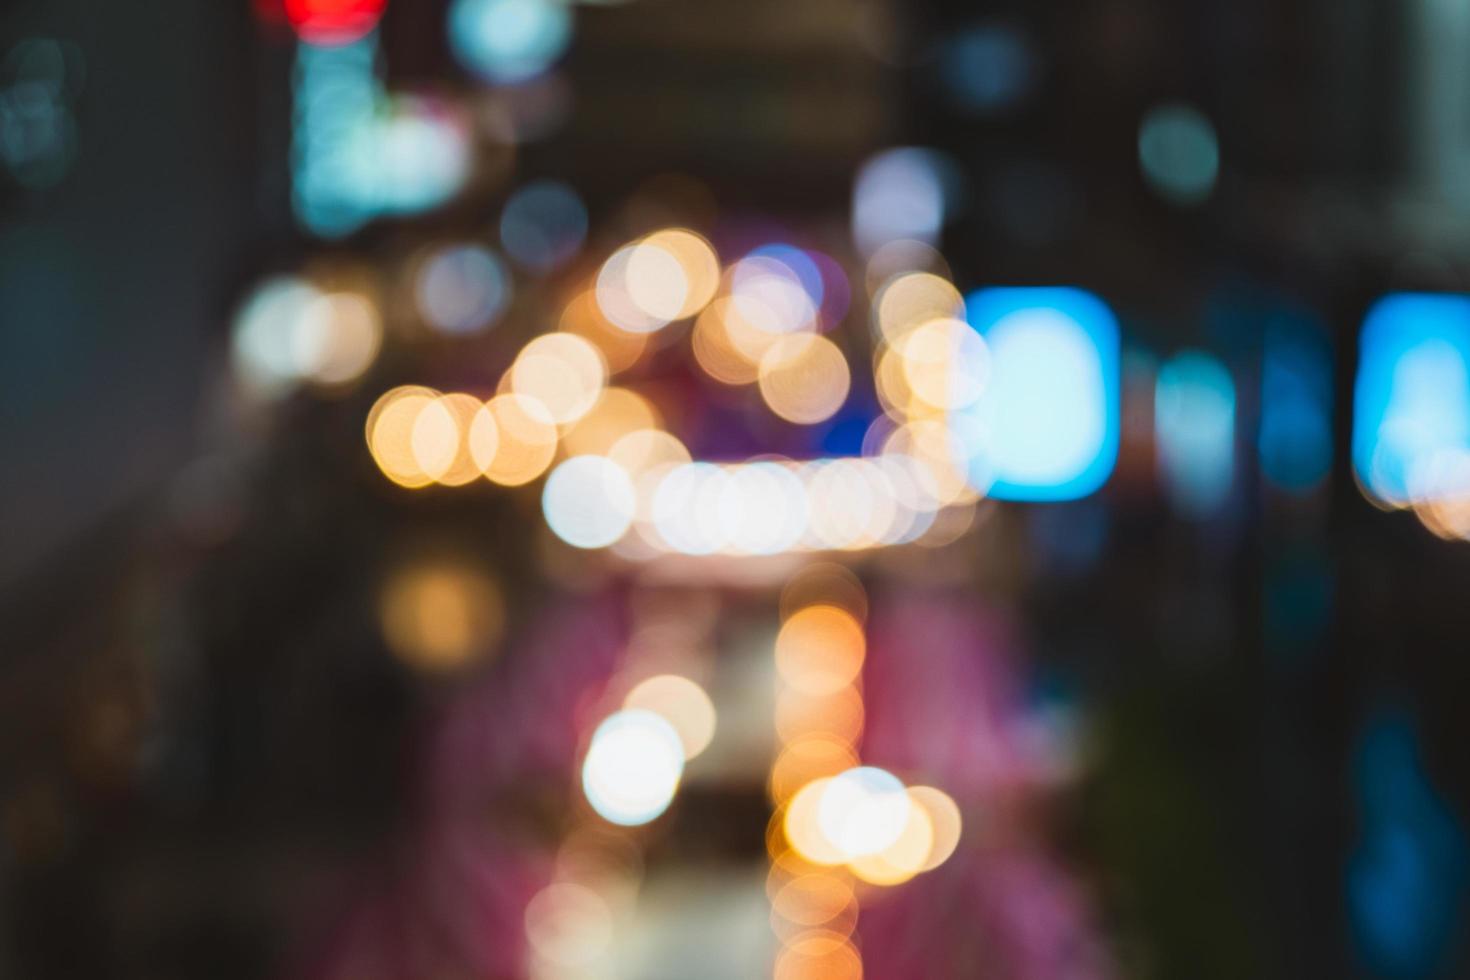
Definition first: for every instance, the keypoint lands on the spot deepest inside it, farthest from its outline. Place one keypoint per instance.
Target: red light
(329, 22)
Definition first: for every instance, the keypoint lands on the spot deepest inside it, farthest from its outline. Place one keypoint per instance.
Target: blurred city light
(1194, 421)
(358, 153)
(1046, 425)
(633, 767)
(1295, 436)
(1411, 400)
(589, 501)
(543, 225)
(1179, 153)
(988, 68)
(40, 80)
(333, 22)
(899, 194)
(683, 704)
(462, 289)
(508, 41)
(864, 811)
(441, 615)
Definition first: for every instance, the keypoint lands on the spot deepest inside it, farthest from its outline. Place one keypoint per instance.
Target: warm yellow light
(699, 266)
(563, 371)
(942, 473)
(569, 925)
(622, 348)
(914, 298)
(808, 759)
(813, 899)
(642, 450)
(820, 650)
(839, 715)
(819, 955)
(527, 440)
(946, 363)
(944, 822)
(804, 378)
(717, 352)
(440, 616)
(905, 857)
(683, 704)
(803, 828)
(451, 438)
(617, 412)
(338, 338)
(824, 583)
(389, 430)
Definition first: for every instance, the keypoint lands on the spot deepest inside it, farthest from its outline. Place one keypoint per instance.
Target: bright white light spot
(633, 767)
(588, 501)
(863, 811)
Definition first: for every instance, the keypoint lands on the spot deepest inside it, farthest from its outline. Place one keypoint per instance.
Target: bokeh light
(864, 811)
(804, 378)
(905, 857)
(441, 615)
(945, 823)
(899, 194)
(1179, 153)
(569, 925)
(527, 440)
(331, 22)
(819, 955)
(462, 289)
(454, 438)
(825, 583)
(621, 348)
(988, 68)
(563, 372)
(507, 41)
(618, 412)
(683, 704)
(588, 502)
(389, 430)
(633, 767)
(1046, 424)
(802, 826)
(839, 715)
(912, 299)
(543, 225)
(820, 650)
(1194, 423)
(1411, 399)
(807, 760)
